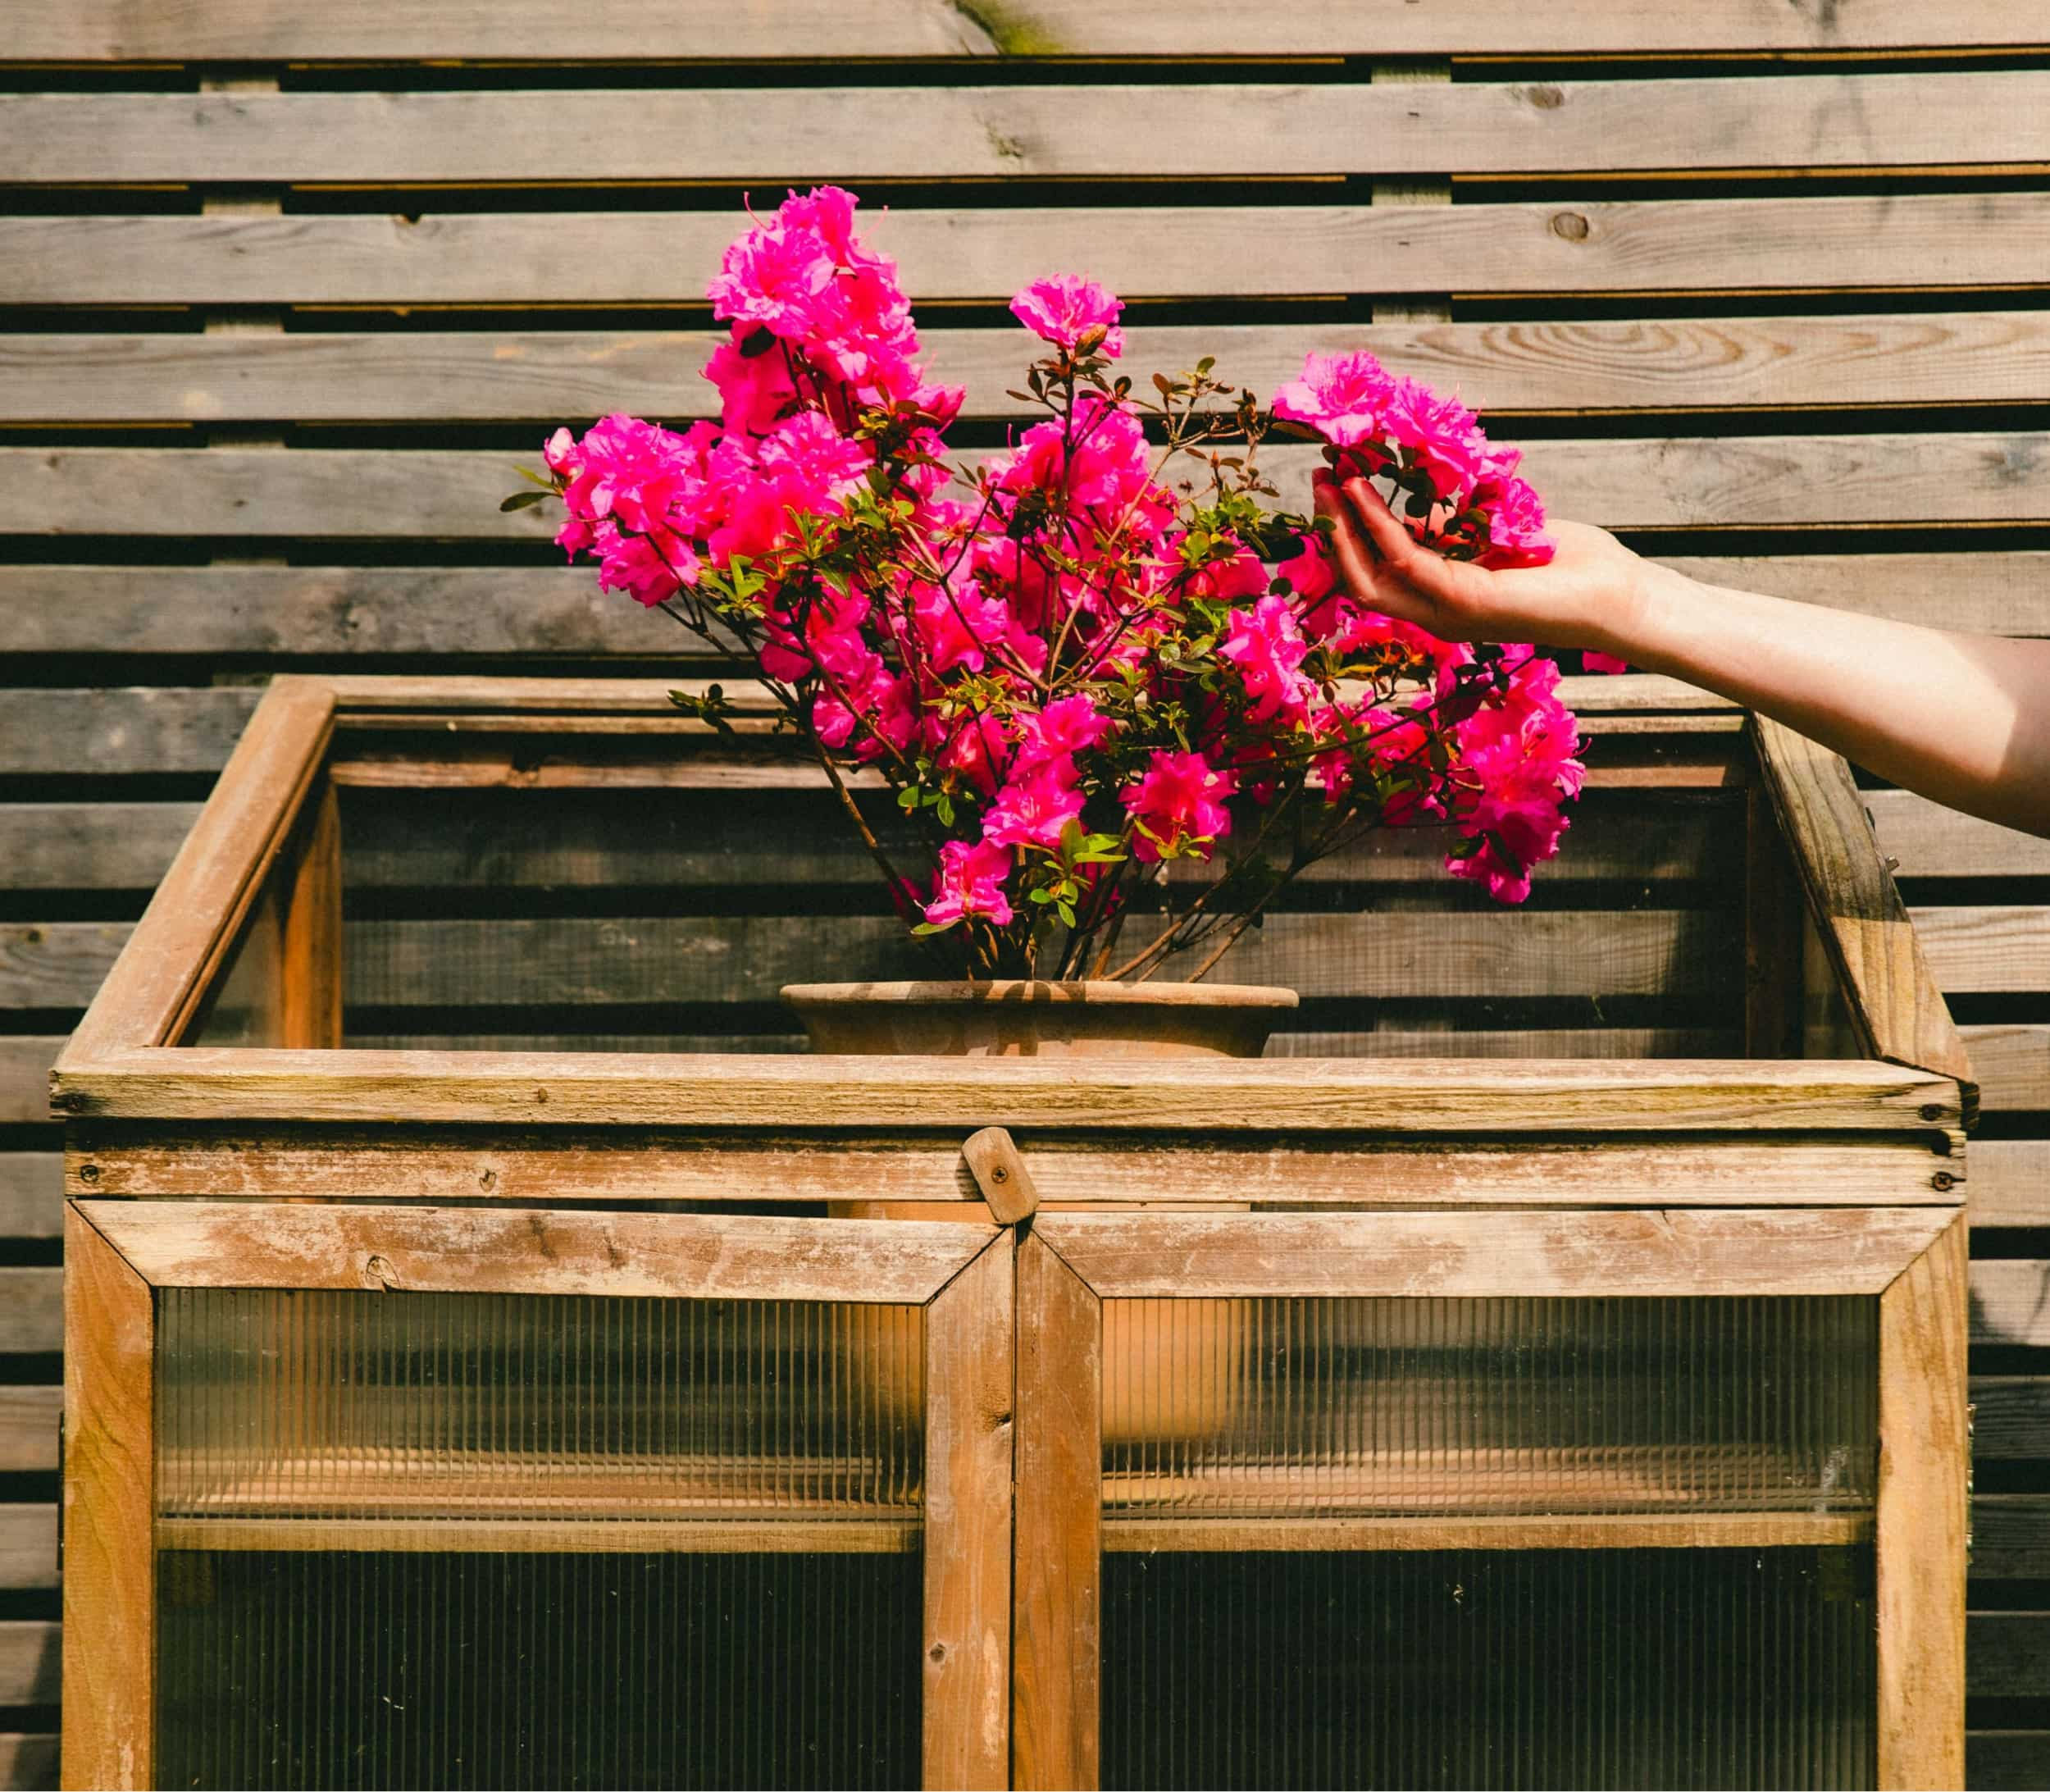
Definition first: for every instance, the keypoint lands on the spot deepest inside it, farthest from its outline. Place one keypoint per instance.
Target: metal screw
(998, 1173)
(1931, 1111)
(88, 1172)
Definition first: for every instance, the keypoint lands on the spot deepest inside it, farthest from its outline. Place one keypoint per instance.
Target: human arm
(1963, 718)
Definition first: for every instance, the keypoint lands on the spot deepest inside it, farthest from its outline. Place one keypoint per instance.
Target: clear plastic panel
(289, 1669)
(337, 1404)
(1251, 1407)
(1597, 1668)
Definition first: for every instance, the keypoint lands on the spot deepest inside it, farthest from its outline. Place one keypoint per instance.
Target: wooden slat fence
(285, 290)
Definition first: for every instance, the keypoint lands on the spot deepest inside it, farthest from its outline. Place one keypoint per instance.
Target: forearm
(1962, 718)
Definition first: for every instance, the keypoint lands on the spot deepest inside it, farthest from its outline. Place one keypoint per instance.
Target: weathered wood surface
(110, 1593)
(1936, 240)
(1128, 1534)
(28, 1546)
(222, 1244)
(535, 1166)
(1411, 1098)
(69, 733)
(1926, 840)
(1921, 1519)
(1679, 1253)
(1887, 981)
(1990, 949)
(30, 1185)
(769, 1534)
(1260, 129)
(236, 30)
(2009, 1181)
(24, 1077)
(28, 1759)
(2011, 1536)
(28, 1434)
(2011, 1420)
(2011, 1302)
(1503, 368)
(970, 1393)
(1801, 482)
(31, 1309)
(191, 920)
(90, 846)
(2007, 1760)
(368, 611)
(28, 1662)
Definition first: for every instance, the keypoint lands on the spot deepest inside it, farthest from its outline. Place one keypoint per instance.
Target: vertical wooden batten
(109, 1594)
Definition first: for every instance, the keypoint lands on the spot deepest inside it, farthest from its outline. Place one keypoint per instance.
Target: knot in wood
(1571, 226)
(378, 1273)
(1546, 97)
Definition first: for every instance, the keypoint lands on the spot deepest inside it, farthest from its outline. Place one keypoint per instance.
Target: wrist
(1631, 616)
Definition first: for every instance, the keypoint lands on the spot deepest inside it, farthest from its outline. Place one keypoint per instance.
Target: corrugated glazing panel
(1490, 1407)
(1596, 1668)
(326, 1403)
(295, 1670)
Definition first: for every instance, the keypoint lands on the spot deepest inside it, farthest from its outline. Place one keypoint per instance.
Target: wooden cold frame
(1072, 1263)
(122, 1251)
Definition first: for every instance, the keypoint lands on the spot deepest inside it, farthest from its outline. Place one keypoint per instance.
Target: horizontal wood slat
(2009, 1177)
(1259, 129)
(2007, 1653)
(2010, 1420)
(2007, 1760)
(1679, 482)
(256, 30)
(2010, 1537)
(1929, 841)
(25, 1076)
(28, 1436)
(31, 1310)
(2011, 1305)
(28, 1662)
(29, 1184)
(1502, 368)
(28, 1760)
(1923, 240)
(1982, 951)
(28, 1546)
(65, 733)
(369, 611)
(90, 846)
(2012, 1064)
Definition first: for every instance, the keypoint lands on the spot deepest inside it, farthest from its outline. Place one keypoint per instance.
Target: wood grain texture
(110, 1592)
(2011, 1062)
(67, 733)
(2007, 1760)
(1927, 840)
(28, 1434)
(236, 30)
(2011, 1301)
(1252, 128)
(191, 920)
(31, 1183)
(1888, 982)
(24, 1077)
(28, 1662)
(1412, 1097)
(1668, 1253)
(31, 1310)
(364, 614)
(90, 846)
(225, 1244)
(28, 1546)
(1790, 481)
(1925, 240)
(1921, 1520)
(2011, 1418)
(2009, 1181)
(999, 1173)
(2006, 1656)
(1503, 368)
(541, 1167)
(28, 1759)
(309, 948)
(2010, 1537)
(1990, 949)
(970, 1396)
(1056, 1627)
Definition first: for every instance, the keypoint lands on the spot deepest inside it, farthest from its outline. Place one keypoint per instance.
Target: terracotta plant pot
(1019, 1019)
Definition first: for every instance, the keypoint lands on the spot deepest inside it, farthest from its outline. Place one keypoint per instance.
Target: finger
(1407, 559)
(1358, 569)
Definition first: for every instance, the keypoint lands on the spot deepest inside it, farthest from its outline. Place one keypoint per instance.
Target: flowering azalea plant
(1099, 652)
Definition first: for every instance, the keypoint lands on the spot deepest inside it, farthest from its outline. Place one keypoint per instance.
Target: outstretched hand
(1585, 596)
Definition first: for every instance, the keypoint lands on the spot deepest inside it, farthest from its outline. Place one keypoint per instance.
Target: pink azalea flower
(1446, 438)
(755, 390)
(1520, 746)
(1345, 397)
(1593, 661)
(970, 881)
(1267, 647)
(1064, 309)
(1067, 725)
(1032, 810)
(1179, 798)
(1515, 524)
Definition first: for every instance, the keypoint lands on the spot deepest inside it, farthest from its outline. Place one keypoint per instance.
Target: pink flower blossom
(1447, 440)
(1590, 660)
(1267, 647)
(1345, 397)
(1067, 725)
(970, 881)
(1032, 810)
(755, 390)
(1179, 800)
(1515, 524)
(1065, 307)
(1520, 747)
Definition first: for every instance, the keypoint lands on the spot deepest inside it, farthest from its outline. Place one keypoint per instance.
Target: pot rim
(1078, 991)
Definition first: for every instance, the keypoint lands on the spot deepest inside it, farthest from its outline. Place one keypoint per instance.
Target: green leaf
(525, 500)
(926, 927)
(542, 480)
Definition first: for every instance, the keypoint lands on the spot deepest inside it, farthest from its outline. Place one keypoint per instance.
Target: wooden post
(311, 951)
(110, 1601)
(969, 1391)
(1772, 921)
(1055, 1640)
(1921, 1523)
